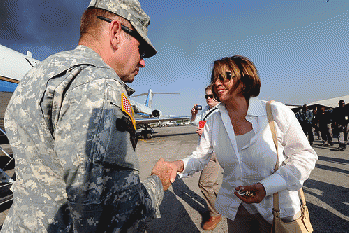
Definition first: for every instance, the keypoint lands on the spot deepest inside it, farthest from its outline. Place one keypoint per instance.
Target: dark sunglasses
(209, 96)
(132, 33)
(227, 76)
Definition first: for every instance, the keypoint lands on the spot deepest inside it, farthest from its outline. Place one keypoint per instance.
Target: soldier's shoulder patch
(127, 108)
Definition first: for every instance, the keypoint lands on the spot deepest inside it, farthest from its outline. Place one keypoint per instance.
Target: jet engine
(155, 113)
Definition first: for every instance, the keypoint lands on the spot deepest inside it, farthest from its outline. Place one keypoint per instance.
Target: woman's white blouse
(256, 160)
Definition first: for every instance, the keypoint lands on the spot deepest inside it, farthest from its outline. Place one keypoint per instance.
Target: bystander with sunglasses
(209, 182)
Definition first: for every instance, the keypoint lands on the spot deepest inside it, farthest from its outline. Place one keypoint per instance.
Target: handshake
(167, 171)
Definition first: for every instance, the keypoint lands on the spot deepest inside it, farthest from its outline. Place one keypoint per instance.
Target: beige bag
(301, 224)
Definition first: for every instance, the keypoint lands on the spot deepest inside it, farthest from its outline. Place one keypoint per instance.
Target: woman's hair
(242, 71)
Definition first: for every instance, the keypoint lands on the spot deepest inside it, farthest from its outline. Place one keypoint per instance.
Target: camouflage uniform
(73, 138)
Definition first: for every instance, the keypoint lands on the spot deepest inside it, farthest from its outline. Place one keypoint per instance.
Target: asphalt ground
(183, 207)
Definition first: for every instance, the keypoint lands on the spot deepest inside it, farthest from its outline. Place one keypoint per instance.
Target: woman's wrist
(179, 164)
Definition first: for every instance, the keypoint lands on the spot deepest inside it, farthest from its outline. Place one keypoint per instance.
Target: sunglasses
(209, 96)
(226, 76)
(132, 33)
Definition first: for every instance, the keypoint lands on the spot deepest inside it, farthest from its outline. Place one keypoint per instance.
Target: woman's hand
(199, 131)
(167, 171)
(194, 112)
(254, 193)
(177, 166)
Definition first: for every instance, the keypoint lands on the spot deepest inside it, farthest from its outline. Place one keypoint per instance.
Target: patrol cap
(132, 11)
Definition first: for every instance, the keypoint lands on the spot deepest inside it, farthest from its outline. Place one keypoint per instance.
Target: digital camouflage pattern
(132, 11)
(76, 165)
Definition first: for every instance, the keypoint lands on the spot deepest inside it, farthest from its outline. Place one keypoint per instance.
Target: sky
(300, 47)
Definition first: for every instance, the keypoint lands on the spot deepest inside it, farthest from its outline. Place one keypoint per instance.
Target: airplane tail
(149, 99)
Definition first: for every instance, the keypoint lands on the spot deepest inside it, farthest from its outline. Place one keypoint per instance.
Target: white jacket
(256, 160)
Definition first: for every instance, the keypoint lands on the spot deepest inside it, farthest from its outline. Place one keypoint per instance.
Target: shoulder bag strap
(209, 113)
(301, 194)
(271, 121)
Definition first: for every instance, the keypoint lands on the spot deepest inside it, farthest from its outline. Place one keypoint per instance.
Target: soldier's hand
(163, 170)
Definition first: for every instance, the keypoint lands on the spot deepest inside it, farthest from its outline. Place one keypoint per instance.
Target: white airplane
(145, 114)
(146, 110)
(13, 66)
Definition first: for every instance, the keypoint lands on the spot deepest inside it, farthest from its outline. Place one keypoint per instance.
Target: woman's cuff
(273, 184)
(184, 174)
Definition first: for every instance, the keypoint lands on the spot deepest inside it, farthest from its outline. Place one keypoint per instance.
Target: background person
(306, 120)
(209, 179)
(324, 120)
(315, 123)
(341, 120)
(72, 131)
(207, 111)
(240, 136)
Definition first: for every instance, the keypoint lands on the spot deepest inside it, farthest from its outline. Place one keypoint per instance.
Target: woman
(240, 136)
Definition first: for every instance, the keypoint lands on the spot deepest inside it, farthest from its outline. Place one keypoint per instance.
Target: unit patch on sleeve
(127, 108)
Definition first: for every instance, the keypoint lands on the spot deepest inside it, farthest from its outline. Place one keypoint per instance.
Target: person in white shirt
(209, 182)
(207, 111)
(240, 136)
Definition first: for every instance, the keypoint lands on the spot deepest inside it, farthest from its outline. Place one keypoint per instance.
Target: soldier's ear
(114, 33)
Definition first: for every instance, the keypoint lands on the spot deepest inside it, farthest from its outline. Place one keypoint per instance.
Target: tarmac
(183, 207)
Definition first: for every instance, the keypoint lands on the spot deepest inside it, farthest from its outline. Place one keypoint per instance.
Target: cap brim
(149, 48)
(149, 51)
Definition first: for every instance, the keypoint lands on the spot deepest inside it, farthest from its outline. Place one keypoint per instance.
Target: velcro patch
(127, 108)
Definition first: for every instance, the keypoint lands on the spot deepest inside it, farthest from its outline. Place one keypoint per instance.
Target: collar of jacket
(88, 56)
(256, 107)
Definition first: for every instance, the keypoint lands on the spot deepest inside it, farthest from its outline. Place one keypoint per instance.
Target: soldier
(72, 131)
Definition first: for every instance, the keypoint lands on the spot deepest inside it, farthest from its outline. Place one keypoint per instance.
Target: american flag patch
(127, 108)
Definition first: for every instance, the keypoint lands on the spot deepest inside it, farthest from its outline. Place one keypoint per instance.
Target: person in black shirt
(324, 120)
(306, 121)
(341, 119)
